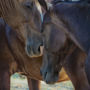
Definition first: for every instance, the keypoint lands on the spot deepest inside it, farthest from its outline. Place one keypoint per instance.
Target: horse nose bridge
(30, 44)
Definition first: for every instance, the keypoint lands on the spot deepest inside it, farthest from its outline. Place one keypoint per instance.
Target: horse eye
(29, 5)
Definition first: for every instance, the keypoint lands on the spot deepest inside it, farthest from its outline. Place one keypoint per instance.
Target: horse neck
(15, 42)
(9, 10)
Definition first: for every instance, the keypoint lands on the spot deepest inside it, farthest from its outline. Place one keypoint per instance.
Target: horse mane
(7, 7)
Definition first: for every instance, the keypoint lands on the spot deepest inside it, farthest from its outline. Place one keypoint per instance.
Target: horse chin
(51, 78)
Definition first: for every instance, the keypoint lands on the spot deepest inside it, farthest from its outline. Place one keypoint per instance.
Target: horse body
(62, 40)
(78, 25)
(77, 20)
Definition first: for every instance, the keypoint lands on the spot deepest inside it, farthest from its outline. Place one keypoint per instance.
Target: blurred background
(19, 82)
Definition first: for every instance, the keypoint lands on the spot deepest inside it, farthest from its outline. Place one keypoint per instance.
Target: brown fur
(75, 68)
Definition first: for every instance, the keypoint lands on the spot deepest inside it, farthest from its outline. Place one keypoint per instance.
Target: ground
(20, 83)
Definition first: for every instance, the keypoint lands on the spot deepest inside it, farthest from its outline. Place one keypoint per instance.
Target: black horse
(66, 37)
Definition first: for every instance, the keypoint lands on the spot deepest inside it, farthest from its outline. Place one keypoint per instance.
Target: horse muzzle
(34, 51)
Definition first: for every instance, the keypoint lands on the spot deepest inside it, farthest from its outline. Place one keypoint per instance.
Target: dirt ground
(20, 83)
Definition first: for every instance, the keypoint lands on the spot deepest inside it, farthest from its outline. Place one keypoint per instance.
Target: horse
(61, 46)
(13, 12)
(15, 34)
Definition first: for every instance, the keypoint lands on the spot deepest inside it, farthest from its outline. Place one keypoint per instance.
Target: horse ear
(44, 4)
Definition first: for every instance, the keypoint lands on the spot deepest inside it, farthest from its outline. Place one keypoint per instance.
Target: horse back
(76, 18)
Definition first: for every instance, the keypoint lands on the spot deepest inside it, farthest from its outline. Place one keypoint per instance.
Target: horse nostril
(39, 49)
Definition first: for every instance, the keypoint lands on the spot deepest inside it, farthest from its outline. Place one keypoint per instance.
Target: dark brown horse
(70, 30)
(59, 48)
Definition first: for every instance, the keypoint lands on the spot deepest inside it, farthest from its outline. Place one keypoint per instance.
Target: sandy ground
(21, 84)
